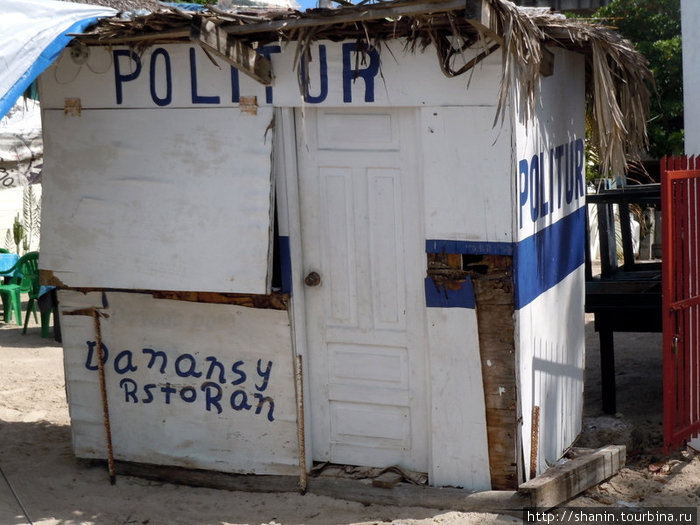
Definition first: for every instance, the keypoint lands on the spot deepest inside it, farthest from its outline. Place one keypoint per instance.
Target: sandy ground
(650, 479)
(55, 488)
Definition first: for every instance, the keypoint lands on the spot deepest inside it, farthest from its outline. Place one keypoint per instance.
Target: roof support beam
(240, 55)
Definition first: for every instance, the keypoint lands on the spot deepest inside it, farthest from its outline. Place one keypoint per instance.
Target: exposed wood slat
(240, 55)
(494, 309)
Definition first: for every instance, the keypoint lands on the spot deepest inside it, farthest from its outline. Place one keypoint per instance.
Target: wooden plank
(375, 12)
(562, 482)
(272, 301)
(608, 243)
(208, 478)
(626, 234)
(237, 53)
(403, 494)
(493, 293)
(460, 452)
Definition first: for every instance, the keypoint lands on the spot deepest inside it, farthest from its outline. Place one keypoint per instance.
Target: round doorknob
(313, 279)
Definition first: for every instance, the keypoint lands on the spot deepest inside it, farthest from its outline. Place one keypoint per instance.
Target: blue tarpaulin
(32, 35)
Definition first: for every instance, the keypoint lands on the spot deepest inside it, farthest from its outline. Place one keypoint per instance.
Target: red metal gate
(680, 198)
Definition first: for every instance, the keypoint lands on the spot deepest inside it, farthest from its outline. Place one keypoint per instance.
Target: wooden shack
(351, 236)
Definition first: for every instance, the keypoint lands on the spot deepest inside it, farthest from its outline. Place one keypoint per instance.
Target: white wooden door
(361, 203)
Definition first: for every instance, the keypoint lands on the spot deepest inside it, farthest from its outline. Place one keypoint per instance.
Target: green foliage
(17, 232)
(31, 216)
(26, 229)
(654, 27)
(9, 241)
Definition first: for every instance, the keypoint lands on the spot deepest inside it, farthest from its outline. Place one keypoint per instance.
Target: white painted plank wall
(459, 445)
(452, 139)
(467, 196)
(171, 199)
(180, 428)
(467, 174)
(552, 349)
(405, 79)
(690, 25)
(550, 329)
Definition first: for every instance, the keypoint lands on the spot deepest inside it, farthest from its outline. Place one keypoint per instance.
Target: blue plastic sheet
(32, 35)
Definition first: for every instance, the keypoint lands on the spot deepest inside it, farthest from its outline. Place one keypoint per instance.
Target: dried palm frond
(522, 56)
(619, 90)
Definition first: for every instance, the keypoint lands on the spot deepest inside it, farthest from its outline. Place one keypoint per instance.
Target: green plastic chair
(32, 307)
(24, 279)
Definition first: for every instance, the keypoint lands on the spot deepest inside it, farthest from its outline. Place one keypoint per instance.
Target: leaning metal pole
(19, 502)
(103, 392)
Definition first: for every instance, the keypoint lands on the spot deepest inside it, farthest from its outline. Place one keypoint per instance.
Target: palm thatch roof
(617, 75)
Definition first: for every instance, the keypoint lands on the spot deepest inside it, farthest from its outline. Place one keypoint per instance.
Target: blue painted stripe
(285, 264)
(548, 257)
(440, 297)
(540, 262)
(468, 247)
(45, 59)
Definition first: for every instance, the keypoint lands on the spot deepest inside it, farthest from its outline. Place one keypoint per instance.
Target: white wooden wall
(181, 118)
(405, 79)
(549, 274)
(690, 20)
(156, 199)
(551, 345)
(467, 166)
(194, 385)
(467, 197)
(690, 25)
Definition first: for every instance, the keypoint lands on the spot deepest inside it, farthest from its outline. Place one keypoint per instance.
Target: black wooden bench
(623, 298)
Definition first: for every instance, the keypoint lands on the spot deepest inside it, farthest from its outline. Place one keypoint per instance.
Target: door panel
(361, 221)
(680, 193)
